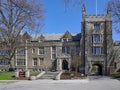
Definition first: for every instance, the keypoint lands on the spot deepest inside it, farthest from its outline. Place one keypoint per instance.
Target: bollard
(17, 73)
(27, 73)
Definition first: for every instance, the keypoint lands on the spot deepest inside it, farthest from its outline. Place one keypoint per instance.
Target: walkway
(85, 84)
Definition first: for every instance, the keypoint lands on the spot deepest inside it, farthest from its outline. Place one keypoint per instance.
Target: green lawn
(9, 75)
(6, 75)
(34, 73)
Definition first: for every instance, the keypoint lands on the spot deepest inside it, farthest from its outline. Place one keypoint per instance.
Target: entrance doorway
(64, 65)
(96, 69)
(54, 66)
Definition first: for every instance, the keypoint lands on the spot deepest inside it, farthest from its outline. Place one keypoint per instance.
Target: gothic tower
(96, 42)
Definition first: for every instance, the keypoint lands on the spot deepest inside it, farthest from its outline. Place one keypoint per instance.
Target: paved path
(103, 83)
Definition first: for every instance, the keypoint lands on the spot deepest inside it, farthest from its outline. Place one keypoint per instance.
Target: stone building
(96, 41)
(48, 51)
(92, 50)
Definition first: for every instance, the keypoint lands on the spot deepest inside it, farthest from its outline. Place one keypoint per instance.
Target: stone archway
(64, 65)
(97, 69)
(63, 62)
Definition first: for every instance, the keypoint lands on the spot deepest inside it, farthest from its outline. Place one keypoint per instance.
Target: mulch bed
(20, 78)
(70, 75)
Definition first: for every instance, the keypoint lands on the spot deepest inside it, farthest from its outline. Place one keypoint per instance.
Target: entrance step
(49, 75)
(95, 77)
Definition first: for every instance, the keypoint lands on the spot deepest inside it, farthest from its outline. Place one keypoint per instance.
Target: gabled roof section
(67, 35)
(26, 36)
(41, 37)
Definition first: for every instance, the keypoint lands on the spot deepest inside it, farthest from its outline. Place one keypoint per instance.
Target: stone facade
(96, 41)
(93, 47)
(46, 52)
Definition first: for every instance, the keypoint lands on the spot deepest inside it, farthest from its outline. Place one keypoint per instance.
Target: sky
(58, 18)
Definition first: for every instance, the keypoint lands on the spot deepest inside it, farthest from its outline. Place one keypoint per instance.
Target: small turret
(109, 11)
(109, 8)
(83, 11)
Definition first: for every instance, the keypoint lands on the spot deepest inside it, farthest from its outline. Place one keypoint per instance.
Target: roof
(67, 35)
(54, 36)
(47, 36)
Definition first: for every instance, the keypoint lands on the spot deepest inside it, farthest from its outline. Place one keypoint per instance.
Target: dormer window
(96, 26)
(66, 40)
(67, 37)
(27, 38)
(69, 40)
(41, 38)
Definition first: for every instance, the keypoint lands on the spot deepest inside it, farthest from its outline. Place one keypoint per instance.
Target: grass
(34, 73)
(9, 75)
(6, 75)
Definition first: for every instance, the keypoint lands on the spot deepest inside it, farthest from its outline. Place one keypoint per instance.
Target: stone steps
(49, 75)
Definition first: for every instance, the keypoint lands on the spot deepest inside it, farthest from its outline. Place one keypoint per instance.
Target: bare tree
(114, 61)
(17, 16)
(76, 62)
(72, 3)
(115, 6)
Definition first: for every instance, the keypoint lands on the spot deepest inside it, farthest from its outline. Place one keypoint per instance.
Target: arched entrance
(54, 65)
(64, 65)
(96, 69)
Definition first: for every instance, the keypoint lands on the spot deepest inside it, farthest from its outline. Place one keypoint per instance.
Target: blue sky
(59, 18)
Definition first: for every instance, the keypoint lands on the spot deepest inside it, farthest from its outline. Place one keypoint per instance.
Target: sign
(21, 74)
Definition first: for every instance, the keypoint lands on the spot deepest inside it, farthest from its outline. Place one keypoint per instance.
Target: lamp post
(27, 73)
(16, 71)
(26, 54)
